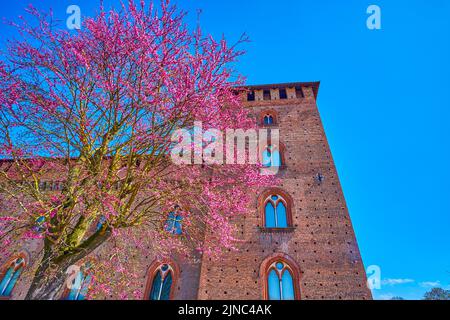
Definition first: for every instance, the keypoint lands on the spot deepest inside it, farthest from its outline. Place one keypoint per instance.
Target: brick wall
(322, 242)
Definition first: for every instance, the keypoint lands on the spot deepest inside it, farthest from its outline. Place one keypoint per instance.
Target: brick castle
(297, 243)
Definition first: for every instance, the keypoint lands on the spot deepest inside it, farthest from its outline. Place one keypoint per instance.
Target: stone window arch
(162, 277)
(280, 277)
(275, 210)
(268, 118)
(10, 273)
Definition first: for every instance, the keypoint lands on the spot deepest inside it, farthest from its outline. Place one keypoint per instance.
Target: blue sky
(384, 100)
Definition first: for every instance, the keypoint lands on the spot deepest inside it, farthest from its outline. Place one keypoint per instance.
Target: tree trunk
(45, 288)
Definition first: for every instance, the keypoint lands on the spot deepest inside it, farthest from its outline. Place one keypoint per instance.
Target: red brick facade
(321, 245)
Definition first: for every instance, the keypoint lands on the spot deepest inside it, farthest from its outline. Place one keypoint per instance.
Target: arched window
(275, 212)
(10, 275)
(271, 157)
(173, 223)
(280, 282)
(268, 119)
(281, 278)
(162, 283)
(79, 286)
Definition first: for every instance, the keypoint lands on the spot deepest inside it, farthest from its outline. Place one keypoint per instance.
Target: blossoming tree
(91, 112)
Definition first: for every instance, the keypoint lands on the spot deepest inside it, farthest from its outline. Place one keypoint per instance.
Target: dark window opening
(299, 92)
(162, 283)
(283, 94)
(268, 119)
(251, 96)
(266, 95)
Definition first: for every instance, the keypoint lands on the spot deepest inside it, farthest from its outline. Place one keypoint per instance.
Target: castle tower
(298, 242)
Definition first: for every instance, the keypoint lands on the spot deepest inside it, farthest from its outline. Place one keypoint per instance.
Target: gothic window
(275, 212)
(10, 276)
(280, 282)
(268, 119)
(162, 283)
(271, 157)
(174, 223)
(80, 284)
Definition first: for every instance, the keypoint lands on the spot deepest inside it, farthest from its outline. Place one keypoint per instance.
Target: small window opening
(268, 119)
(299, 92)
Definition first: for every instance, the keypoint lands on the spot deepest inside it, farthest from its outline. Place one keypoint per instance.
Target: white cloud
(393, 282)
(427, 284)
(386, 296)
